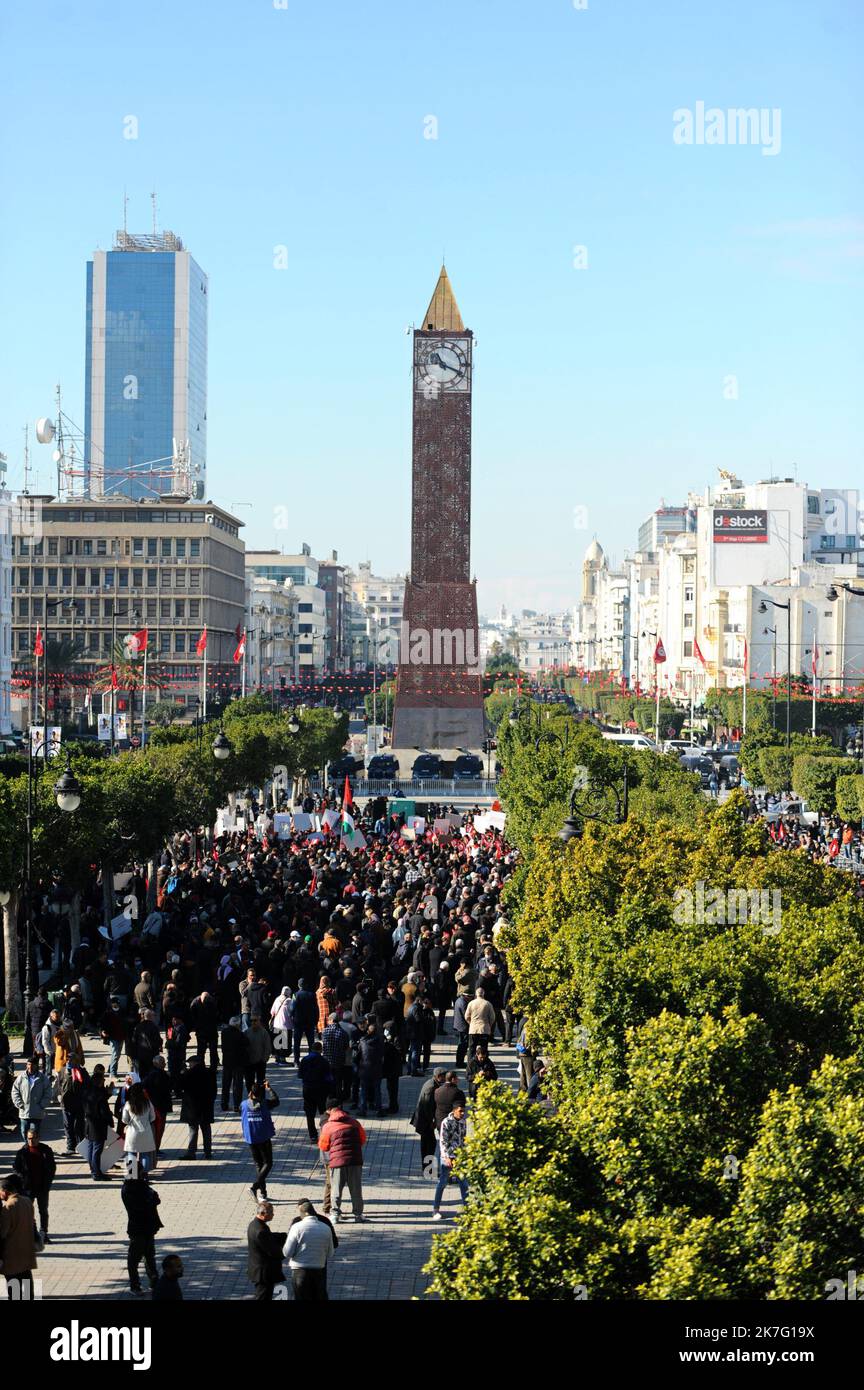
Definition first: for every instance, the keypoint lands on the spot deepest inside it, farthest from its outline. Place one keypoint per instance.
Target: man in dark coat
(370, 1050)
(36, 1165)
(235, 1059)
(305, 1018)
(141, 1202)
(423, 1118)
(204, 1020)
(97, 1122)
(265, 1253)
(198, 1089)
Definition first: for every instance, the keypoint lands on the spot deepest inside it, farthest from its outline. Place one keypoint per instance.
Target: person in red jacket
(341, 1140)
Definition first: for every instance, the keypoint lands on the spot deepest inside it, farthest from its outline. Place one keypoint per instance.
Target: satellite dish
(45, 430)
(56, 456)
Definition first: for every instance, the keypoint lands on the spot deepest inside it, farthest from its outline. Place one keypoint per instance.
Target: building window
(688, 619)
(194, 549)
(108, 580)
(38, 578)
(194, 608)
(123, 576)
(688, 593)
(179, 641)
(305, 608)
(164, 641)
(152, 578)
(166, 547)
(137, 545)
(86, 548)
(80, 577)
(66, 578)
(94, 579)
(688, 648)
(23, 607)
(101, 547)
(152, 547)
(151, 608)
(137, 579)
(52, 579)
(52, 547)
(165, 608)
(179, 608)
(180, 546)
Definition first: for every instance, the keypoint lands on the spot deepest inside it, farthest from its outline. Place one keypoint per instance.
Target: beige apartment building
(96, 567)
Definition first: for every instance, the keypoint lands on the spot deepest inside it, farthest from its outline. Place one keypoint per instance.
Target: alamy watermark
(737, 125)
(702, 906)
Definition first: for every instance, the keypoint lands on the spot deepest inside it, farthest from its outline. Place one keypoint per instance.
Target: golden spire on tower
(443, 311)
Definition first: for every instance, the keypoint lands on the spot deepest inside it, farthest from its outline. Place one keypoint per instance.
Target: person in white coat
(282, 1025)
(138, 1116)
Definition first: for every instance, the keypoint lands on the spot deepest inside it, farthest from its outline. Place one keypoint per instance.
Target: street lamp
(222, 748)
(593, 805)
(766, 630)
(293, 723)
(787, 608)
(67, 791)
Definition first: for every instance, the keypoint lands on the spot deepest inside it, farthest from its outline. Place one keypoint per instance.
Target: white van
(631, 740)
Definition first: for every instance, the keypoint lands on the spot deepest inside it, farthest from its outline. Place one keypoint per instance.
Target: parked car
(383, 767)
(631, 740)
(468, 768)
(426, 766)
(346, 766)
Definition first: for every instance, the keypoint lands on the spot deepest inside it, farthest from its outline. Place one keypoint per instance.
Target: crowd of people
(339, 967)
(827, 840)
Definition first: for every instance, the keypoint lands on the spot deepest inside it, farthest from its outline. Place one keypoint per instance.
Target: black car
(467, 768)
(346, 766)
(383, 767)
(428, 765)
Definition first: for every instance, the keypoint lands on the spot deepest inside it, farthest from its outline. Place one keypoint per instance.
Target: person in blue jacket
(258, 1131)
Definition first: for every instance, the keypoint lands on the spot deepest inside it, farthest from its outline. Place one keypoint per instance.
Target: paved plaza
(206, 1206)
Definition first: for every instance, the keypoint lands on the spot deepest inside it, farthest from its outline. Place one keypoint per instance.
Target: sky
(318, 159)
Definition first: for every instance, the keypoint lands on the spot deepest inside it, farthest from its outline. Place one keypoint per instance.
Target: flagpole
(744, 699)
(656, 705)
(813, 664)
(204, 702)
(243, 668)
(692, 690)
(144, 696)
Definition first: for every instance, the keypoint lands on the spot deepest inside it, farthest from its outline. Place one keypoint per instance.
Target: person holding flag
(348, 833)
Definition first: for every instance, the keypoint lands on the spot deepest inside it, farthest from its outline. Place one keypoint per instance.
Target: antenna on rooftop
(153, 201)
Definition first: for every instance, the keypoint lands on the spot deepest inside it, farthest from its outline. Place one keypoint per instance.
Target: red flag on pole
(115, 684)
(697, 652)
(38, 644)
(241, 649)
(201, 644)
(659, 651)
(814, 660)
(346, 795)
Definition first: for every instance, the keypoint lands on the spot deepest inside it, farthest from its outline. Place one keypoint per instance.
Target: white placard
(282, 824)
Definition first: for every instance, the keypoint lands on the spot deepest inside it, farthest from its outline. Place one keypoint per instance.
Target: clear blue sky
(599, 388)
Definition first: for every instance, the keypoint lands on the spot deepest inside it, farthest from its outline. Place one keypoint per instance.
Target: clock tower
(439, 699)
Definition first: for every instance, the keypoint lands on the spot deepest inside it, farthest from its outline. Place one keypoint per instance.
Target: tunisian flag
(115, 684)
(38, 644)
(134, 643)
(241, 649)
(697, 652)
(659, 651)
(201, 644)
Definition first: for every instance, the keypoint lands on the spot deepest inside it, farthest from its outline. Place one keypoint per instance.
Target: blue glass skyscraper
(146, 364)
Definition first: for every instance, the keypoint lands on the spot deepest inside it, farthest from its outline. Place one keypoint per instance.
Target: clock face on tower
(443, 363)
